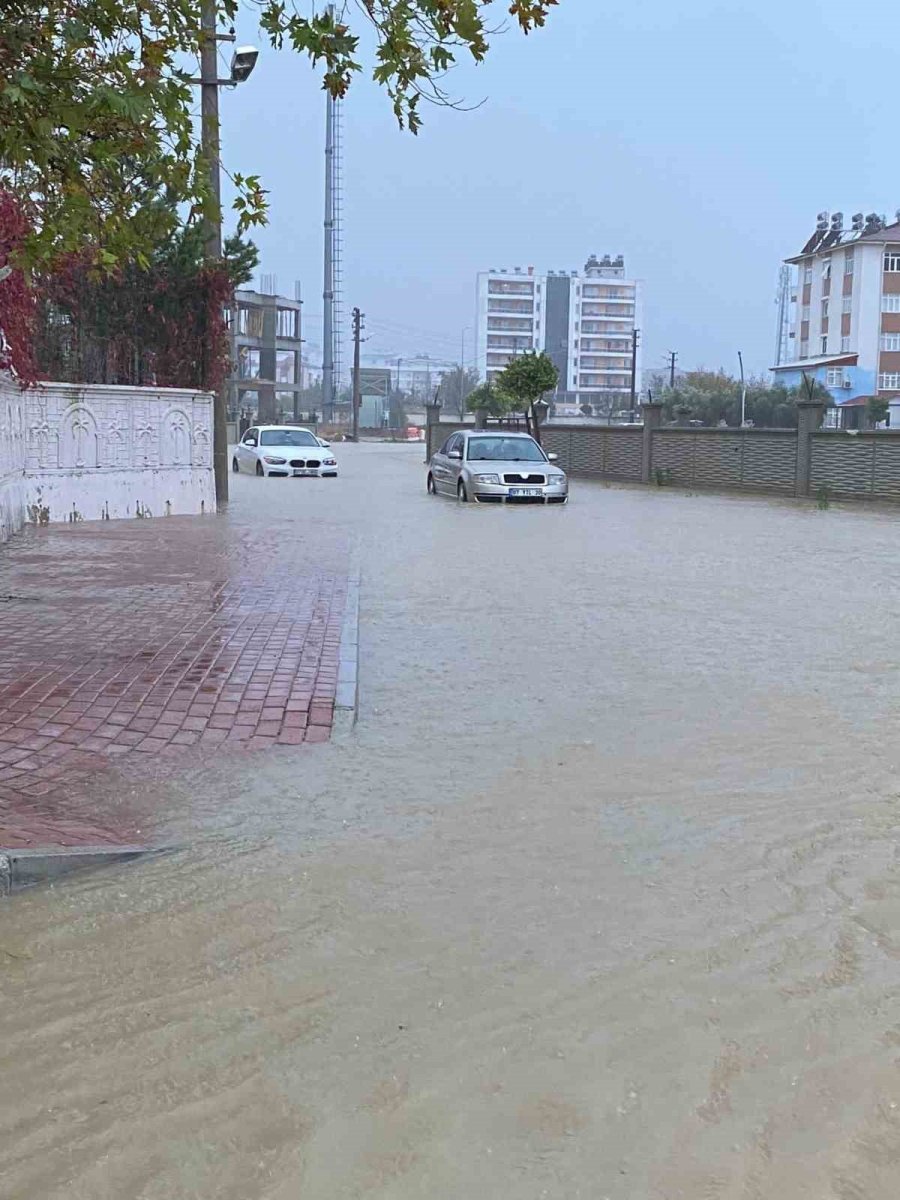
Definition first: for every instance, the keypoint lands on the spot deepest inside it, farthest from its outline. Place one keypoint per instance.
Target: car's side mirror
(325, 445)
(250, 442)
(553, 457)
(455, 454)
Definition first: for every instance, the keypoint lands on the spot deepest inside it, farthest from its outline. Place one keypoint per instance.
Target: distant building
(267, 375)
(842, 312)
(584, 322)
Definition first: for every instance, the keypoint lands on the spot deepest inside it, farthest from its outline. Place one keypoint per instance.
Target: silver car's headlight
(557, 480)
(487, 478)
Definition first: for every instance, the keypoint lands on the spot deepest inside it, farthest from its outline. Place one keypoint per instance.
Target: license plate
(525, 492)
(304, 471)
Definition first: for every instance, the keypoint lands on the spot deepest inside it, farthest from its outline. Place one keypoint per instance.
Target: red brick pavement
(134, 638)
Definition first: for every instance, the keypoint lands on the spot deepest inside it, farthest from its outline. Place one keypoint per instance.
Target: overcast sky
(699, 140)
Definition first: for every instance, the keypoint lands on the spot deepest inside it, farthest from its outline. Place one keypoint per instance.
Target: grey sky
(699, 140)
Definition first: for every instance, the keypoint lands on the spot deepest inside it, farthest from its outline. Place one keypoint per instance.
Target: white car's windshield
(287, 437)
(501, 449)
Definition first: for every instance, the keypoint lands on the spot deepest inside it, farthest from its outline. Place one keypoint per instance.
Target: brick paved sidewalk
(134, 638)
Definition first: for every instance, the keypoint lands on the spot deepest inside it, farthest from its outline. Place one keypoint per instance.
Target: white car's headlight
(330, 462)
(487, 478)
(274, 462)
(556, 480)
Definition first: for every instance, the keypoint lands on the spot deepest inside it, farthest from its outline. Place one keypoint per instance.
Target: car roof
(302, 428)
(507, 433)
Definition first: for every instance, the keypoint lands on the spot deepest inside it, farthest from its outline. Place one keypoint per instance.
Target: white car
(283, 450)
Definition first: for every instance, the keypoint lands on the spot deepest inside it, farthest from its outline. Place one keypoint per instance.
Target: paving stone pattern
(141, 638)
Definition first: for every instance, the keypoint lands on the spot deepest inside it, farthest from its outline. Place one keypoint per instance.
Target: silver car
(496, 467)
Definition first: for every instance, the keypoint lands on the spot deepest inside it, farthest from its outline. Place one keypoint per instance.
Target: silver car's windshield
(501, 449)
(286, 437)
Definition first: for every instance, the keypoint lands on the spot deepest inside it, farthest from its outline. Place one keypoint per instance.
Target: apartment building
(585, 322)
(843, 310)
(267, 369)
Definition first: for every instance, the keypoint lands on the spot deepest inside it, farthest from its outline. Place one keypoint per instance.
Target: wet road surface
(601, 898)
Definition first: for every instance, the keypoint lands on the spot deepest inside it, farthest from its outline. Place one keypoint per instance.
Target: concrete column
(810, 413)
(652, 414)
(481, 416)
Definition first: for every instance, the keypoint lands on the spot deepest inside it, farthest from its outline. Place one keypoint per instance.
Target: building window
(889, 381)
(509, 287)
(825, 309)
(823, 344)
(804, 349)
(847, 304)
(890, 303)
(892, 260)
(890, 341)
(826, 268)
(807, 273)
(250, 321)
(848, 262)
(804, 313)
(845, 345)
(286, 366)
(834, 377)
(248, 362)
(287, 322)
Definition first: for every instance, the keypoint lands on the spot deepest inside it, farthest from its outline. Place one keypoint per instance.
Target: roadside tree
(527, 378)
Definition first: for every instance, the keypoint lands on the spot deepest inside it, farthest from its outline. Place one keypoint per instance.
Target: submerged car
(283, 450)
(496, 467)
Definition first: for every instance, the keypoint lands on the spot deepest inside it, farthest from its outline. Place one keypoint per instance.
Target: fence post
(652, 413)
(432, 419)
(809, 418)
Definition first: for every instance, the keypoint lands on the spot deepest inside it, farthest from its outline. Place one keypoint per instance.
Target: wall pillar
(810, 413)
(432, 419)
(481, 418)
(652, 413)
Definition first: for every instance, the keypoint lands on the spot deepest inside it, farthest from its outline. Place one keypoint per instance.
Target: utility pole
(328, 281)
(673, 355)
(743, 391)
(212, 242)
(357, 330)
(635, 337)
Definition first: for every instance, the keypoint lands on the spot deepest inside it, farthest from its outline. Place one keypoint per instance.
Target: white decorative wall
(103, 452)
(12, 461)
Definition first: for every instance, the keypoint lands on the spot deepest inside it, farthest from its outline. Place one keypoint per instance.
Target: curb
(25, 868)
(346, 700)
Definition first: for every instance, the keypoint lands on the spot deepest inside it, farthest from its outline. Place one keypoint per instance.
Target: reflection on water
(601, 899)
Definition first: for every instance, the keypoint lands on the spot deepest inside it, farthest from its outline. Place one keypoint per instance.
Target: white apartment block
(843, 311)
(584, 321)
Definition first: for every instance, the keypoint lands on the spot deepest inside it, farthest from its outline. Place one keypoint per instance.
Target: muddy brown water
(601, 899)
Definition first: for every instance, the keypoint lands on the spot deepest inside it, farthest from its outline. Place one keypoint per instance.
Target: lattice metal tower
(783, 327)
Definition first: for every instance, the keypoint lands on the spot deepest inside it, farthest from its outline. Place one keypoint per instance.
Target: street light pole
(743, 391)
(462, 371)
(212, 243)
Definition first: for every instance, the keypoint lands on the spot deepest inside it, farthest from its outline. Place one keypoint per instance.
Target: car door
(441, 465)
(247, 450)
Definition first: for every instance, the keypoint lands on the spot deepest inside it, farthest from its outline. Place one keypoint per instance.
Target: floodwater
(601, 899)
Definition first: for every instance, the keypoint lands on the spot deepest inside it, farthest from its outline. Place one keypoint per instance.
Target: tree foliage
(714, 397)
(527, 377)
(96, 104)
(490, 399)
(455, 387)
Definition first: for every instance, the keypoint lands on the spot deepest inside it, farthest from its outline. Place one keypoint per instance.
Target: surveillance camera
(242, 63)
